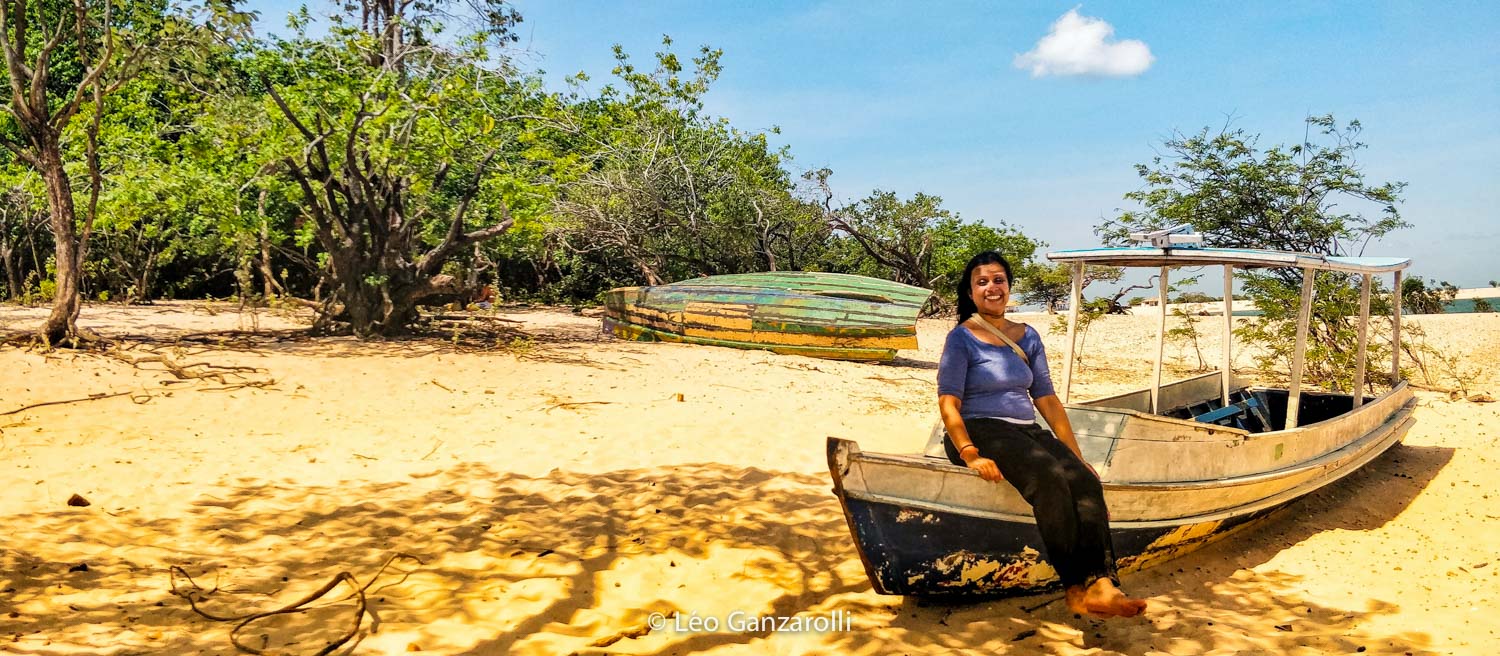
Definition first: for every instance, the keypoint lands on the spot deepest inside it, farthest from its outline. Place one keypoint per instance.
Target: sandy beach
(556, 487)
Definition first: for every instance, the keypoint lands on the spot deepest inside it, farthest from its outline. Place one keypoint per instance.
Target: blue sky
(931, 98)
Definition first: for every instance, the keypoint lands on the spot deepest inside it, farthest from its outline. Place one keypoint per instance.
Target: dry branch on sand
(197, 595)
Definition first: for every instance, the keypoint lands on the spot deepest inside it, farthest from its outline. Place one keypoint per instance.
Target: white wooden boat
(1182, 464)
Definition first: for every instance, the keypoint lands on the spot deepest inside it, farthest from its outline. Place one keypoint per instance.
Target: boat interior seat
(1248, 414)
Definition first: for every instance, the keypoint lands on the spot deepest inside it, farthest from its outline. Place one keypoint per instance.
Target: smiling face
(989, 288)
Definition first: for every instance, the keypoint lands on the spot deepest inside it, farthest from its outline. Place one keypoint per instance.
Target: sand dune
(561, 489)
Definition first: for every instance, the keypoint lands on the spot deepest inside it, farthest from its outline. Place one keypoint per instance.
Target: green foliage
(1052, 285)
(1186, 334)
(46, 291)
(1046, 285)
(360, 166)
(404, 152)
(917, 242)
(1483, 305)
(891, 237)
(956, 241)
(168, 201)
(1193, 297)
(23, 233)
(1089, 312)
(652, 183)
(1418, 298)
(1285, 198)
(1298, 198)
(1332, 342)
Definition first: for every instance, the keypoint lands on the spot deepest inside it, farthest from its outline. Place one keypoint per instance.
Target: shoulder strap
(996, 332)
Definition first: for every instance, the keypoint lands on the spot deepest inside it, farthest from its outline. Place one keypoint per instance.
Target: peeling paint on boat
(973, 571)
(910, 515)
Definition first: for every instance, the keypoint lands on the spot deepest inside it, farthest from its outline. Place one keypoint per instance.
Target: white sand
(560, 491)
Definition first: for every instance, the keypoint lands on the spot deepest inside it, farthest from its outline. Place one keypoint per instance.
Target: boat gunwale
(922, 461)
(1234, 432)
(829, 295)
(819, 284)
(1385, 436)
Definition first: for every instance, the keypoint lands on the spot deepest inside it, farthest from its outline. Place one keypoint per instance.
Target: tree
(1051, 286)
(1284, 198)
(1113, 304)
(23, 217)
(165, 202)
(1288, 199)
(41, 106)
(915, 241)
(61, 56)
(669, 191)
(1483, 305)
(406, 152)
(956, 241)
(895, 234)
(1418, 298)
(1186, 334)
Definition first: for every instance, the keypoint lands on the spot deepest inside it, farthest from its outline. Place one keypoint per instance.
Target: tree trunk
(12, 266)
(267, 273)
(62, 323)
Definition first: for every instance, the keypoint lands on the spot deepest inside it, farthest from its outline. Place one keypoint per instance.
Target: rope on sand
(197, 594)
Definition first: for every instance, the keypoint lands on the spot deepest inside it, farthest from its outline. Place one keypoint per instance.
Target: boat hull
(637, 333)
(814, 314)
(926, 527)
(914, 551)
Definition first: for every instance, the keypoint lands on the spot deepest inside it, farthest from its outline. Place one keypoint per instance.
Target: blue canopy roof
(1241, 257)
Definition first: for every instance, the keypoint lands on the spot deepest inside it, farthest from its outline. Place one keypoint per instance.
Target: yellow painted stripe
(728, 329)
(722, 315)
(633, 332)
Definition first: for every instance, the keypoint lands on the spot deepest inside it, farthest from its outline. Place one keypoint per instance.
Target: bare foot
(1074, 596)
(1105, 600)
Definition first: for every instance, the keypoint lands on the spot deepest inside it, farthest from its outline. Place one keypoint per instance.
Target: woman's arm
(948, 407)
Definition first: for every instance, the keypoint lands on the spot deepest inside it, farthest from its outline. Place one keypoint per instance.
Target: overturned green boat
(823, 315)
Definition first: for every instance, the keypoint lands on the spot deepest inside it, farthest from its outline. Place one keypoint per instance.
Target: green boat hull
(824, 315)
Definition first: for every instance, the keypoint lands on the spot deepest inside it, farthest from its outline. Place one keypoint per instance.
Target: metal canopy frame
(1230, 258)
(1246, 258)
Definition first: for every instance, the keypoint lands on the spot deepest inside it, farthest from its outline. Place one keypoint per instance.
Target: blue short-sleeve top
(992, 381)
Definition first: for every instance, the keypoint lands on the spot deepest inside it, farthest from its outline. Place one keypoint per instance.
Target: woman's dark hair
(966, 306)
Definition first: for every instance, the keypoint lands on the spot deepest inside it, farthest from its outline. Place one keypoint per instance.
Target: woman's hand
(987, 468)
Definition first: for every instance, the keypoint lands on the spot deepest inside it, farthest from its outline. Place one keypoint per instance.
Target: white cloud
(1081, 45)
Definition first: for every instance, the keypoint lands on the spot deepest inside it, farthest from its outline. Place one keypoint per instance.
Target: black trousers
(1066, 498)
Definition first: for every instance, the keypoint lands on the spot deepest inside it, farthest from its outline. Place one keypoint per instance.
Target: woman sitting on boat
(993, 371)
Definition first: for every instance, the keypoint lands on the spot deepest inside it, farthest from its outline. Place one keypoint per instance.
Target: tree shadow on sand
(511, 563)
(575, 563)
